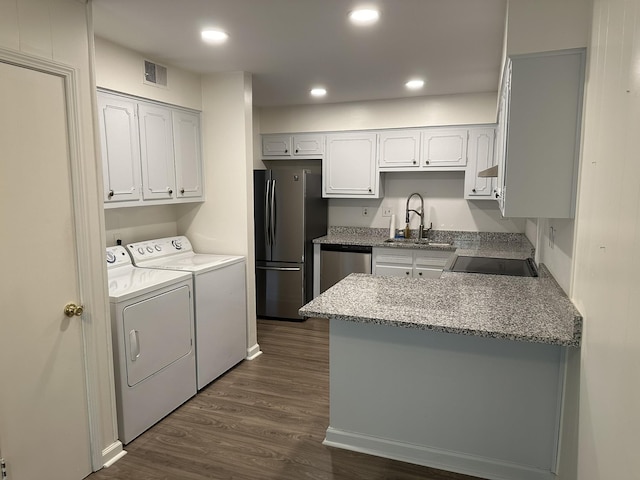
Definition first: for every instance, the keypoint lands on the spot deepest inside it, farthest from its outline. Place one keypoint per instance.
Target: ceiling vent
(155, 74)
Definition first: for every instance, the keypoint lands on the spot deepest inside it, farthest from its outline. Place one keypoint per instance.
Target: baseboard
(112, 454)
(253, 352)
(488, 468)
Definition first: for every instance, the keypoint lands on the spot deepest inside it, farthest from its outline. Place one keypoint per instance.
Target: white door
(44, 431)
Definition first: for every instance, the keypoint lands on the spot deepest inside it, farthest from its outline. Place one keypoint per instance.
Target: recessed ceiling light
(214, 36)
(364, 16)
(318, 92)
(415, 84)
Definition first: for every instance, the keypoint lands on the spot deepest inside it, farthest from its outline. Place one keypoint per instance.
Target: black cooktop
(496, 266)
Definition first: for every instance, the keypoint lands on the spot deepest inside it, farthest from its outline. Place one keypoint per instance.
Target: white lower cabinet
(409, 263)
(151, 152)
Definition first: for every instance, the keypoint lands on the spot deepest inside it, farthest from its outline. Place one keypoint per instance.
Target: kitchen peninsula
(465, 373)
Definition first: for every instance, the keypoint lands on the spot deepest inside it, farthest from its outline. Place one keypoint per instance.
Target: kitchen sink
(415, 241)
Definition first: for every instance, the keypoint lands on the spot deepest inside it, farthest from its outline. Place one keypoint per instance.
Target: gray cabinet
(541, 102)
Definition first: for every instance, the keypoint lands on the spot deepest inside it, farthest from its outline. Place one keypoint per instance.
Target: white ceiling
(291, 45)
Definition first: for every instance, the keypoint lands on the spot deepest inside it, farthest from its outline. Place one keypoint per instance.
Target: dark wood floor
(265, 420)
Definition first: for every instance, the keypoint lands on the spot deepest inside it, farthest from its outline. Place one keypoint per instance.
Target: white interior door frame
(89, 234)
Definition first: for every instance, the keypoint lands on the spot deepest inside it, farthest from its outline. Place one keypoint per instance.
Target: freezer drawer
(279, 290)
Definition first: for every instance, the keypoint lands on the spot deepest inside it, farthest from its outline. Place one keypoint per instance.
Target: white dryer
(219, 283)
(153, 347)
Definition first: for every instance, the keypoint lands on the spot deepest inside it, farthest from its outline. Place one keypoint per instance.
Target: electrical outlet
(116, 236)
(365, 211)
(387, 212)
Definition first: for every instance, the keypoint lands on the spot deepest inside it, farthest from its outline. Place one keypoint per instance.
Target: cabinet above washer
(151, 152)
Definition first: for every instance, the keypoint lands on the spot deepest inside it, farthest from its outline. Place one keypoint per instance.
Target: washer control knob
(158, 248)
(177, 244)
(111, 258)
(149, 249)
(141, 251)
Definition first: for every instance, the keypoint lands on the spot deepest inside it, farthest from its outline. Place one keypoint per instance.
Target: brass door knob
(73, 310)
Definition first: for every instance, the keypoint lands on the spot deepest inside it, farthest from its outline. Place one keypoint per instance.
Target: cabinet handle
(369, 189)
(182, 191)
(296, 150)
(474, 190)
(110, 195)
(497, 195)
(414, 162)
(286, 150)
(426, 162)
(408, 273)
(170, 191)
(420, 273)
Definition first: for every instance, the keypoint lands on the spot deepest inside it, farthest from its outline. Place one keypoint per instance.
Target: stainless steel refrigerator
(289, 212)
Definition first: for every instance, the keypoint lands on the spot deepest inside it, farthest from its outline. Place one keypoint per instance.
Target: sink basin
(415, 241)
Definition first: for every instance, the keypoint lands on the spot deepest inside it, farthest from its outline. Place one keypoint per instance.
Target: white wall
(443, 191)
(407, 112)
(543, 25)
(443, 204)
(606, 282)
(121, 69)
(224, 222)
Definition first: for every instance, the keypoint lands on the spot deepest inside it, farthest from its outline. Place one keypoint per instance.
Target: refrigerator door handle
(273, 212)
(280, 269)
(267, 214)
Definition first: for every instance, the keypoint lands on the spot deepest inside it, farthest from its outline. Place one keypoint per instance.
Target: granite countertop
(530, 309)
(526, 309)
(486, 244)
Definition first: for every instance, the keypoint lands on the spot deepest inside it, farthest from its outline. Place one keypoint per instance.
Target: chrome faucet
(421, 213)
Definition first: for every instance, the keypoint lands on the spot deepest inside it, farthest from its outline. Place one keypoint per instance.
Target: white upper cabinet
(120, 149)
(480, 157)
(151, 152)
(444, 148)
(276, 145)
(307, 145)
(156, 152)
(349, 167)
(399, 149)
(187, 153)
(543, 104)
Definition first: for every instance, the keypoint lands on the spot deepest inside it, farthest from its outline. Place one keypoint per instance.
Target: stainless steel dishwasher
(338, 261)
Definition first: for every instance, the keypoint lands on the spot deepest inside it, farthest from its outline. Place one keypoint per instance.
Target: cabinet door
(273, 145)
(306, 145)
(420, 272)
(392, 262)
(188, 158)
(444, 147)
(481, 157)
(349, 167)
(393, 271)
(399, 149)
(156, 152)
(120, 148)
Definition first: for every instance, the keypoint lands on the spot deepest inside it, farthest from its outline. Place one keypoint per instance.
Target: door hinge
(3, 469)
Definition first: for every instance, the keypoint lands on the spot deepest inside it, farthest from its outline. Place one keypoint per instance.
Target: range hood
(489, 172)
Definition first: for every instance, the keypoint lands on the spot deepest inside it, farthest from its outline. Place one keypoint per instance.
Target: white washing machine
(153, 342)
(219, 283)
